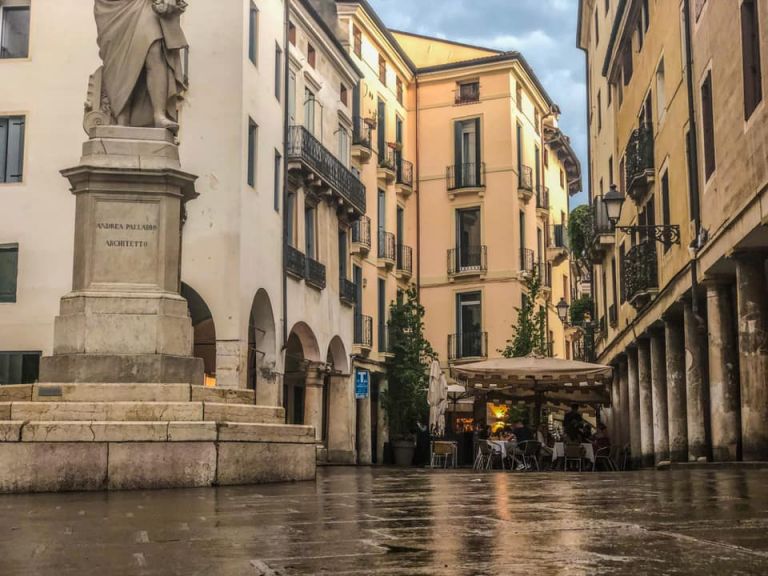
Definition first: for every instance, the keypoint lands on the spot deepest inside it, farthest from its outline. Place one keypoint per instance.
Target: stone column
(633, 386)
(383, 427)
(695, 385)
(753, 354)
(624, 415)
(646, 402)
(674, 336)
(364, 453)
(228, 362)
(341, 420)
(724, 394)
(313, 401)
(659, 398)
(269, 389)
(614, 428)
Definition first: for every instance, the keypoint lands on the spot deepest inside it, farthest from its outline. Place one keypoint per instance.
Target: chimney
(327, 11)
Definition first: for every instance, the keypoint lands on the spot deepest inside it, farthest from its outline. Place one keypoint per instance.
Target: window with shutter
(9, 262)
(14, 31)
(750, 47)
(708, 121)
(12, 148)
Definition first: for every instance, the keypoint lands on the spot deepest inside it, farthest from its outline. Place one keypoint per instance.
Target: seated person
(541, 438)
(573, 417)
(572, 433)
(601, 439)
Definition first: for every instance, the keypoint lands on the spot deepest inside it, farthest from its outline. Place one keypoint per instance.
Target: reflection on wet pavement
(391, 522)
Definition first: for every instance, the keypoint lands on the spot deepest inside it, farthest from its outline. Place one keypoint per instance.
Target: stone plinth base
(72, 437)
(121, 368)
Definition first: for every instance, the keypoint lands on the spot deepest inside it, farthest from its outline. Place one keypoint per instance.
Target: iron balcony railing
(613, 315)
(468, 93)
(363, 335)
(542, 197)
(295, 262)
(305, 148)
(639, 161)
(347, 291)
(405, 172)
(467, 345)
(560, 239)
(527, 260)
(641, 271)
(526, 178)
(315, 274)
(361, 133)
(387, 158)
(600, 222)
(466, 176)
(361, 232)
(386, 245)
(467, 259)
(405, 259)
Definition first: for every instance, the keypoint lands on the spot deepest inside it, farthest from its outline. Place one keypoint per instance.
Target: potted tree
(405, 400)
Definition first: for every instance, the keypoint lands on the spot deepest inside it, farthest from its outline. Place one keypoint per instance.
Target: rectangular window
(278, 173)
(599, 111)
(467, 155)
(292, 33)
(253, 132)
(343, 95)
(9, 263)
(607, 5)
(343, 145)
(19, 367)
(292, 97)
(382, 309)
(627, 63)
(382, 70)
(610, 170)
(278, 71)
(14, 32)
(311, 55)
(645, 16)
(661, 96)
(399, 84)
(290, 219)
(622, 270)
(469, 325)
(11, 148)
(750, 49)
(468, 239)
(614, 292)
(468, 92)
(381, 210)
(310, 232)
(708, 121)
(597, 29)
(309, 110)
(342, 253)
(253, 34)
(357, 36)
(546, 158)
(609, 95)
(519, 139)
(381, 129)
(519, 97)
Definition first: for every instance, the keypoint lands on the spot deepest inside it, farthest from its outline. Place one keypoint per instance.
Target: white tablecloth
(558, 451)
(502, 446)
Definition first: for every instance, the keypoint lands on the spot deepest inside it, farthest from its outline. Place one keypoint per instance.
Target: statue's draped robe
(126, 31)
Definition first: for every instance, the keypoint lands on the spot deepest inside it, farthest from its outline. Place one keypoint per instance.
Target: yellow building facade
(669, 86)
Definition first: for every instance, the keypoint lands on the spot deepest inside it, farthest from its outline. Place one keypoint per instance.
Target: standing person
(572, 418)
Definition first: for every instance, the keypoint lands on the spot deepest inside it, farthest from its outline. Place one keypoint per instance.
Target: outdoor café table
(558, 451)
(502, 445)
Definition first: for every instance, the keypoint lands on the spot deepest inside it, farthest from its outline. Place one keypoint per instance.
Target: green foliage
(405, 401)
(579, 308)
(580, 233)
(530, 334)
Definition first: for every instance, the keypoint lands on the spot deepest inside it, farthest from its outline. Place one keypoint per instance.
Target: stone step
(214, 411)
(105, 411)
(106, 392)
(286, 433)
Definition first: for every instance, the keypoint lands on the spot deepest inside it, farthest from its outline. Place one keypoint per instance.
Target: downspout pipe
(286, 120)
(418, 201)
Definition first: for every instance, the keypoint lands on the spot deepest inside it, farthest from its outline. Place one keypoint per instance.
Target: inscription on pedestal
(126, 239)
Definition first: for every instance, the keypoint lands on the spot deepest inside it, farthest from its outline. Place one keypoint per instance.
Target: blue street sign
(362, 384)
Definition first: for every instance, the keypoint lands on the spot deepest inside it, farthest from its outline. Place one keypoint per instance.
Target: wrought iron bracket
(667, 235)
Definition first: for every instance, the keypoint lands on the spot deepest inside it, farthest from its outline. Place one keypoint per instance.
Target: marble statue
(141, 80)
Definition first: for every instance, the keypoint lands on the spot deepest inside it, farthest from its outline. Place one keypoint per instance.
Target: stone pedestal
(633, 387)
(124, 320)
(674, 338)
(695, 384)
(725, 413)
(646, 402)
(753, 354)
(659, 399)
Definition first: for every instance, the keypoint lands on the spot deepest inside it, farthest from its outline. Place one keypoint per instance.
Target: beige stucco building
(676, 124)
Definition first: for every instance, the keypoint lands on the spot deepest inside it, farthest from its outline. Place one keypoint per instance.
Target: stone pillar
(753, 354)
(633, 386)
(724, 395)
(383, 427)
(313, 401)
(695, 386)
(268, 389)
(646, 402)
(228, 362)
(364, 452)
(659, 398)
(614, 426)
(674, 337)
(341, 420)
(624, 415)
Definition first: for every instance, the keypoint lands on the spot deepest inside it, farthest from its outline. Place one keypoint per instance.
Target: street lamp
(613, 201)
(562, 310)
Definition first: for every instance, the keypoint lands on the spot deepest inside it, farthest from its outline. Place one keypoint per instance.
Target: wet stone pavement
(393, 522)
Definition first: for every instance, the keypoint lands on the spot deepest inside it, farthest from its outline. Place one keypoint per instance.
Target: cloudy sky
(543, 30)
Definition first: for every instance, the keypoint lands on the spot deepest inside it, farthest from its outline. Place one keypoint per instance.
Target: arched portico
(339, 410)
(262, 350)
(303, 380)
(204, 331)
